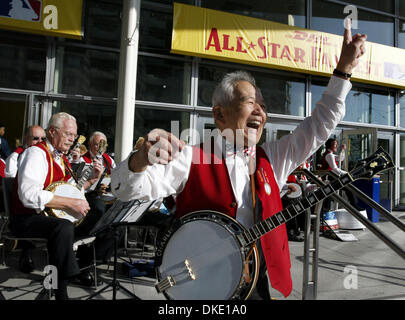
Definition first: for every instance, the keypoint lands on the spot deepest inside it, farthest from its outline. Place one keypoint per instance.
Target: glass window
(155, 31)
(401, 34)
(401, 7)
(402, 172)
(90, 118)
(282, 95)
(22, 61)
(163, 80)
(364, 105)
(329, 17)
(386, 5)
(402, 110)
(102, 23)
(86, 72)
(290, 12)
(148, 119)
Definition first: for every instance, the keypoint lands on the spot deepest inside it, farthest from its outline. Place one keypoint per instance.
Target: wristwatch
(336, 72)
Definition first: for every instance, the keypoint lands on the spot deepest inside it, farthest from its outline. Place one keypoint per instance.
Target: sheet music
(122, 212)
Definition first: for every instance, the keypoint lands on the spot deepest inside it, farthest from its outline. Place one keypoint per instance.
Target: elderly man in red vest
(33, 135)
(40, 166)
(163, 165)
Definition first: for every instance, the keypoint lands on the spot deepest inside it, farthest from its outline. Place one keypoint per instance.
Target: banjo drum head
(214, 257)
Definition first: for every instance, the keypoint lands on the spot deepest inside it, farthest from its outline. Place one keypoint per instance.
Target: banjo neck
(261, 228)
(365, 169)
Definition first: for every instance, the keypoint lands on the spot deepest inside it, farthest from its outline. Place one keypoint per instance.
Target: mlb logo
(27, 10)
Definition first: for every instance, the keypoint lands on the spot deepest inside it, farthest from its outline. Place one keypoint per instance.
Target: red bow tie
(247, 151)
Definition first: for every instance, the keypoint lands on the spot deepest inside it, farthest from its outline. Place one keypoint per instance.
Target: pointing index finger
(347, 36)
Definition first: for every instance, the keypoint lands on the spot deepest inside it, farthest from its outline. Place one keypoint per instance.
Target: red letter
(226, 43)
(214, 37)
(274, 47)
(286, 53)
(263, 47)
(299, 54)
(300, 35)
(239, 45)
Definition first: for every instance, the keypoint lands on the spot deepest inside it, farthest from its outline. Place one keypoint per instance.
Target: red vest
(209, 188)
(2, 168)
(325, 164)
(56, 175)
(19, 150)
(87, 158)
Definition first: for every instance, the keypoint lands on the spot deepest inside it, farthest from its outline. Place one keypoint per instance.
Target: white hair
(97, 133)
(57, 120)
(224, 92)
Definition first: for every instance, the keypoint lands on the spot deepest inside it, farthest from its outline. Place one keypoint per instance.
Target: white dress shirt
(159, 181)
(331, 159)
(32, 171)
(11, 165)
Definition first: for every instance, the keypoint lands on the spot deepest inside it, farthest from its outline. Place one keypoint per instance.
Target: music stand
(119, 214)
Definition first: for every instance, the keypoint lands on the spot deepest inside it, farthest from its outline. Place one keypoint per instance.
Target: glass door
(360, 143)
(386, 141)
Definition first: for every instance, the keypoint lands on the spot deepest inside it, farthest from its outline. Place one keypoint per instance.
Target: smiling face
(94, 144)
(244, 116)
(63, 138)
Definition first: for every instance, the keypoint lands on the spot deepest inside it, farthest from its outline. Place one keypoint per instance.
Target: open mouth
(254, 124)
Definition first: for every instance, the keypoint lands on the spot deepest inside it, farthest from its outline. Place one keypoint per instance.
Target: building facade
(41, 75)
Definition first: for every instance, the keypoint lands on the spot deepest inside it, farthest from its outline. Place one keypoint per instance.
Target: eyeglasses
(37, 138)
(68, 134)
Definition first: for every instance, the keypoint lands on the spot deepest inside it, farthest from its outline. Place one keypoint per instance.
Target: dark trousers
(262, 290)
(104, 243)
(60, 236)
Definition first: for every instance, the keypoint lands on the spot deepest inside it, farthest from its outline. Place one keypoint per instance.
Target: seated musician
(163, 165)
(40, 166)
(33, 135)
(95, 193)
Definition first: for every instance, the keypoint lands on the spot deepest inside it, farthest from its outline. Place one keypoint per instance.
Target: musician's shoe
(26, 264)
(86, 279)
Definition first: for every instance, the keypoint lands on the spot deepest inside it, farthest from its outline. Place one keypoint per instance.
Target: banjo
(65, 189)
(203, 255)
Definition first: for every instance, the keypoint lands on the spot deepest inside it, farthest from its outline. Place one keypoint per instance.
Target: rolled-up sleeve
(32, 172)
(290, 151)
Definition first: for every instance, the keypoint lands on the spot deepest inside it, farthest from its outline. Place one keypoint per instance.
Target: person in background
(4, 148)
(33, 135)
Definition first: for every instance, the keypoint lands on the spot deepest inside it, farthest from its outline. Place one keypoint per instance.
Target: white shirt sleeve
(156, 182)
(32, 172)
(11, 165)
(290, 151)
(330, 159)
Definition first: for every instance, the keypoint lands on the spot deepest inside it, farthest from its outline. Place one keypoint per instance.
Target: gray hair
(223, 93)
(57, 120)
(97, 133)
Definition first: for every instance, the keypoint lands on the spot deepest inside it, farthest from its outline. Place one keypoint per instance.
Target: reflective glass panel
(282, 95)
(386, 5)
(163, 80)
(329, 17)
(22, 61)
(90, 118)
(86, 72)
(148, 119)
(155, 31)
(364, 106)
(290, 12)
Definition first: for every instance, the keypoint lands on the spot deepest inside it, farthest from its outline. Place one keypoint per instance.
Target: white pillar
(125, 118)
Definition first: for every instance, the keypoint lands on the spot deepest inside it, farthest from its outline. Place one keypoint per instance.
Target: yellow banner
(47, 17)
(219, 35)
